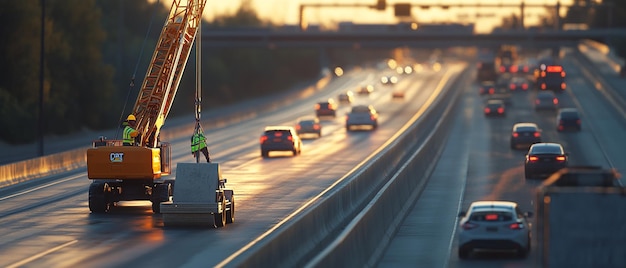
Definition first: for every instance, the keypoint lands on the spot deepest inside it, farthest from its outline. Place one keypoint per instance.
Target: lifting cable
(198, 100)
(157, 4)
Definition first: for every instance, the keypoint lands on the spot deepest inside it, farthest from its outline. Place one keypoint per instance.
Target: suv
(280, 138)
(568, 118)
(494, 225)
(326, 108)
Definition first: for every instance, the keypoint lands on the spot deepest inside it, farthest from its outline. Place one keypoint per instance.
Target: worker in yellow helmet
(130, 133)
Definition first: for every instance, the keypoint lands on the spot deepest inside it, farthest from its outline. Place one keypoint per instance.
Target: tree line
(92, 50)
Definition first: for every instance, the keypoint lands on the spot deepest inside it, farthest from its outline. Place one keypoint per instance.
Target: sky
(286, 11)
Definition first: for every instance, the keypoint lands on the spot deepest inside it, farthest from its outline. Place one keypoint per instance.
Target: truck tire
(160, 193)
(230, 214)
(98, 202)
(464, 253)
(265, 154)
(220, 218)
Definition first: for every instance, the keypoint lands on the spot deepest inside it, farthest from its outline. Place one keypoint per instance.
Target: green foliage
(76, 86)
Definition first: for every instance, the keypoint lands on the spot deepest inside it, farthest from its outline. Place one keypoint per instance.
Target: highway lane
(52, 226)
(477, 164)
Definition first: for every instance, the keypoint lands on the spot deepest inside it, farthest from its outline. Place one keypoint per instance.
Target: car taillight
(487, 110)
(263, 139)
(468, 226)
(533, 158)
(500, 110)
(543, 86)
(512, 86)
(372, 117)
(515, 134)
(516, 226)
(316, 127)
(525, 86)
(537, 134)
(298, 127)
(491, 91)
(317, 107)
(555, 101)
(502, 69)
(560, 158)
(537, 101)
(563, 86)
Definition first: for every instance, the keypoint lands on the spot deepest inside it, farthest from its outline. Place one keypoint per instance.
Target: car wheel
(265, 154)
(464, 253)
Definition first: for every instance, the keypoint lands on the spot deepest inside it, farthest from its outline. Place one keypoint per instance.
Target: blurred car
(326, 108)
(494, 108)
(346, 97)
(543, 159)
(280, 138)
(389, 80)
(487, 87)
(546, 100)
(500, 93)
(306, 126)
(519, 84)
(494, 226)
(524, 135)
(397, 94)
(365, 90)
(362, 115)
(568, 118)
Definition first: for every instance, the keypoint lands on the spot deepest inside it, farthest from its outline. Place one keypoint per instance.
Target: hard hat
(131, 118)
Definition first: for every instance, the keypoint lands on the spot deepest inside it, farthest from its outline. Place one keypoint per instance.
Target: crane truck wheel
(230, 214)
(220, 218)
(98, 197)
(160, 193)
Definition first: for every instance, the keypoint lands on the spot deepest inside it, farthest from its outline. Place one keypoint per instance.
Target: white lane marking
(32, 258)
(42, 186)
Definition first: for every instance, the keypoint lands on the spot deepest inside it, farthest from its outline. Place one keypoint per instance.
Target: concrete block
(196, 182)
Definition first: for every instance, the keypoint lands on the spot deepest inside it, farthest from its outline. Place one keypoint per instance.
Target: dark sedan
(543, 159)
(524, 135)
(568, 119)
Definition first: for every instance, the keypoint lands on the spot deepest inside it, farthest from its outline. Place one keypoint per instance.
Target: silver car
(494, 225)
(362, 115)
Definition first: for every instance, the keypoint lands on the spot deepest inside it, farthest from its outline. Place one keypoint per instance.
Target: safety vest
(198, 141)
(128, 140)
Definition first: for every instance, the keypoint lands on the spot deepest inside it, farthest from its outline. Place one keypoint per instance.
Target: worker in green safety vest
(198, 144)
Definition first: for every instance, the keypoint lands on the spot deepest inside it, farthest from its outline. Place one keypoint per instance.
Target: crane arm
(166, 68)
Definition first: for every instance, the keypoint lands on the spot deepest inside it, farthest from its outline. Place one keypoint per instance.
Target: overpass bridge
(273, 39)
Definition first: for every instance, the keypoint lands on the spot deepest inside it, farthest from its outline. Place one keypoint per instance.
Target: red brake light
(515, 134)
(487, 110)
(533, 159)
(372, 117)
(278, 134)
(491, 90)
(316, 126)
(537, 134)
(563, 86)
(317, 106)
(263, 139)
(500, 110)
(555, 101)
(525, 86)
(469, 226)
(491, 217)
(543, 85)
(290, 138)
(512, 86)
(516, 226)
(502, 69)
(560, 158)
(298, 127)
(554, 69)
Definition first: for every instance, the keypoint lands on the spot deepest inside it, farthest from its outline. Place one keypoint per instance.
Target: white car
(362, 115)
(494, 226)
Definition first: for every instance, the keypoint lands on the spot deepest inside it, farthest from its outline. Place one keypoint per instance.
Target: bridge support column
(324, 60)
